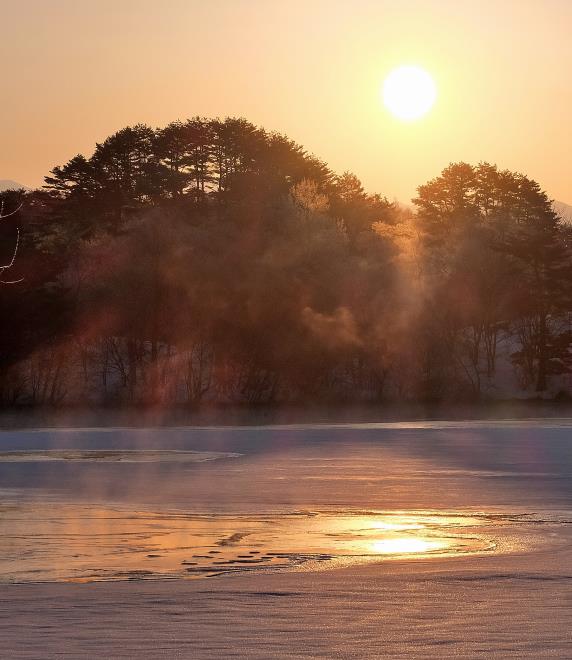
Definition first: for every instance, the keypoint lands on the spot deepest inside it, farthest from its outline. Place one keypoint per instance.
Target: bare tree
(7, 266)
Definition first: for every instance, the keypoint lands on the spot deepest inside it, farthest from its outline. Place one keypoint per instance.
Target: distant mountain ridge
(8, 184)
(564, 211)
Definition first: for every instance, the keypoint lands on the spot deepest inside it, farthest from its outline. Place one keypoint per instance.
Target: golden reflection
(396, 527)
(404, 546)
(61, 541)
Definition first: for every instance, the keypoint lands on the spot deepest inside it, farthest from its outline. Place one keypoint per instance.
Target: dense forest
(212, 261)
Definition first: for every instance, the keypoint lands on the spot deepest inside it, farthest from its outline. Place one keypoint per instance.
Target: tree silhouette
(212, 260)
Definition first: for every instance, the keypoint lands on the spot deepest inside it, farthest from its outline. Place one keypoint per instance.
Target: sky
(74, 72)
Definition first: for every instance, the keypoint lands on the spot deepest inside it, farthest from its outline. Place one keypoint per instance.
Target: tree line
(213, 261)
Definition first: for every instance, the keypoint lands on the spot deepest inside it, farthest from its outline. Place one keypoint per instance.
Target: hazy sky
(75, 71)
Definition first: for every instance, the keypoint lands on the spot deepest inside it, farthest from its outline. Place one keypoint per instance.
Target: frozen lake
(243, 531)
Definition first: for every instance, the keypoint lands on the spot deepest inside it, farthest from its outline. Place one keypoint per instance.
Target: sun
(409, 92)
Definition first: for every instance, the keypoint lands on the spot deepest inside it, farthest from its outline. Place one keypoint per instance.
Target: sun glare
(409, 92)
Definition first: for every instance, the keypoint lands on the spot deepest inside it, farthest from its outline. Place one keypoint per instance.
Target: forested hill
(212, 261)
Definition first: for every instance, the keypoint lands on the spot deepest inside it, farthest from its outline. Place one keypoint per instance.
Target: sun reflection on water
(62, 541)
(396, 527)
(404, 546)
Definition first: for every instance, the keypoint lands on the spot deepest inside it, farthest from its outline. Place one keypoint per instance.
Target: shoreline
(287, 416)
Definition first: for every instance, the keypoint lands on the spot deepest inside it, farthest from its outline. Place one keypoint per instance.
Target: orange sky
(75, 71)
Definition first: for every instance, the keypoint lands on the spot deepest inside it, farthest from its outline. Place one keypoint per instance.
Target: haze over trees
(211, 260)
